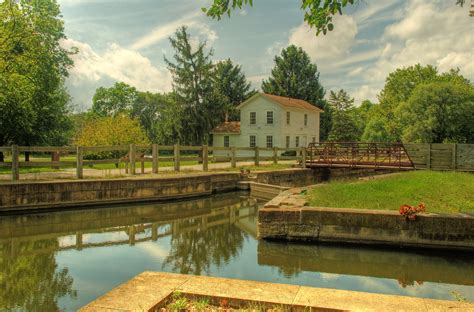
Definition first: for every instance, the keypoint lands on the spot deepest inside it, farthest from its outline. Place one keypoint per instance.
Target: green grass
(442, 192)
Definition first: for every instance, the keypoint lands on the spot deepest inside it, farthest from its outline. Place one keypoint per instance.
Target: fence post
(453, 165)
(233, 162)
(79, 162)
(428, 160)
(275, 155)
(205, 158)
(154, 156)
(176, 157)
(15, 163)
(131, 158)
(257, 156)
(303, 157)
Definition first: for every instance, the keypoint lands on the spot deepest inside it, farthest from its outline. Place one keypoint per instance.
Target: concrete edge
(148, 289)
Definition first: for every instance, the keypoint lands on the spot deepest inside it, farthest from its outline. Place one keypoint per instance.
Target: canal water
(63, 260)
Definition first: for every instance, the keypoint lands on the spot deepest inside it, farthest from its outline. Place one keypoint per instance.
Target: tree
(33, 66)
(294, 75)
(317, 13)
(398, 88)
(120, 98)
(230, 83)
(362, 114)
(439, 112)
(344, 127)
(108, 131)
(152, 111)
(199, 108)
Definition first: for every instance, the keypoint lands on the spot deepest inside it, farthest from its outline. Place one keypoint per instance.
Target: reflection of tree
(29, 279)
(192, 252)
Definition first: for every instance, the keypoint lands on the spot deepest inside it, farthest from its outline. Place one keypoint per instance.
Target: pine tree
(295, 76)
(344, 127)
(198, 107)
(231, 84)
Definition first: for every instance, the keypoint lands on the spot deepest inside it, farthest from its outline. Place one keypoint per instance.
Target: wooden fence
(438, 156)
(134, 154)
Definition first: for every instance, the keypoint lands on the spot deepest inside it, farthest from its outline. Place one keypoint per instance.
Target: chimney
(226, 117)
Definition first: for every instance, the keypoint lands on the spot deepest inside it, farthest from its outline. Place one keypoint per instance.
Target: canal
(63, 260)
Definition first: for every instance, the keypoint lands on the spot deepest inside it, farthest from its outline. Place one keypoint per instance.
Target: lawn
(442, 192)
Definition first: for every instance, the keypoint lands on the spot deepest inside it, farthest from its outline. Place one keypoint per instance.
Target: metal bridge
(358, 155)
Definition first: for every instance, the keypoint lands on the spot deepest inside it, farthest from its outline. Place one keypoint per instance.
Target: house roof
(227, 127)
(285, 102)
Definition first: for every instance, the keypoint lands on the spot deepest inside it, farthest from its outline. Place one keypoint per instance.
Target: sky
(127, 40)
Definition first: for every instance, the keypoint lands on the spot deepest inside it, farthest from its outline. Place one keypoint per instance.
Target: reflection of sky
(97, 270)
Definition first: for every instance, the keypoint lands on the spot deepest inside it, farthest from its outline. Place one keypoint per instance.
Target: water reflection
(63, 260)
(408, 268)
(29, 276)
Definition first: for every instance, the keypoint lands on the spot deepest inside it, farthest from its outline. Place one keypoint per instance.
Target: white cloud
(165, 31)
(119, 64)
(429, 33)
(331, 47)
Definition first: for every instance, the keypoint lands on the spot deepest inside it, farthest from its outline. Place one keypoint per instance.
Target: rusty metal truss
(358, 155)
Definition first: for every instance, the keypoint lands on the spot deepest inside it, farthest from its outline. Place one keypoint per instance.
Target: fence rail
(133, 154)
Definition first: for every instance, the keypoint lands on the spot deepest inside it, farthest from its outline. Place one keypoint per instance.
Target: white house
(270, 121)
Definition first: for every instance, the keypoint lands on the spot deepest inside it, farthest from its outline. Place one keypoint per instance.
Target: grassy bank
(442, 192)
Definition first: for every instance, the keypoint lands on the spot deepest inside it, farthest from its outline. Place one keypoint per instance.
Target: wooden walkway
(358, 155)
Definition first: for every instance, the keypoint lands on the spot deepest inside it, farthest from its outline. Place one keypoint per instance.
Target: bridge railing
(358, 154)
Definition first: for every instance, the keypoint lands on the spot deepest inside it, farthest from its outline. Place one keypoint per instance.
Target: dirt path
(70, 173)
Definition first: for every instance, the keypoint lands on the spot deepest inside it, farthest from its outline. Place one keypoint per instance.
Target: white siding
(279, 129)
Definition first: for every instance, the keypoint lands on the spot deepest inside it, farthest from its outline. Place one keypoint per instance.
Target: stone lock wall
(38, 195)
(287, 218)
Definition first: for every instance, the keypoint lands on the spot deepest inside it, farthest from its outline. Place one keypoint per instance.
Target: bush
(109, 131)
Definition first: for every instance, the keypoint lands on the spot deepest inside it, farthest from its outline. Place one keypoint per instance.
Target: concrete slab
(148, 289)
(241, 289)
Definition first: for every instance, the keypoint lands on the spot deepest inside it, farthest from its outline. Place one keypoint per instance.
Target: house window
(287, 142)
(226, 141)
(314, 139)
(305, 119)
(253, 141)
(253, 118)
(297, 141)
(269, 141)
(288, 118)
(270, 118)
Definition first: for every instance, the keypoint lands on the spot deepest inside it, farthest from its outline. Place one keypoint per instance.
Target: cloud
(331, 47)
(429, 33)
(165, 31)
(119, 64)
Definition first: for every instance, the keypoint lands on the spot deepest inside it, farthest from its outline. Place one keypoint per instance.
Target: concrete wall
(301, 177)
(380, 227)
(38, 195)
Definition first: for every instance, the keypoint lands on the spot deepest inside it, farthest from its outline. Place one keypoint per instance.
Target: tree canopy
(232, 86)
(344, 127)
(318, 14)
(388, 120)
(33, 66)
(198, 108)
(294, 75)
(120, 98)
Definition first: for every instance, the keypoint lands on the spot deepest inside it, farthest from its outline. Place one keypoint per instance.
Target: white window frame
(297, 141)
(254, 140)
(226, 144)
(305, 119)
(269, 141)
(253, 121)
(288, 141)
(288, 118)
(272, 117)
